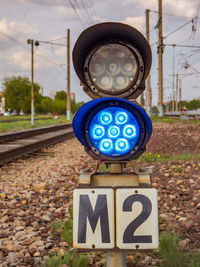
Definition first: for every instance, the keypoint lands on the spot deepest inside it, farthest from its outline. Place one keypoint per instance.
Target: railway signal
(112, 61)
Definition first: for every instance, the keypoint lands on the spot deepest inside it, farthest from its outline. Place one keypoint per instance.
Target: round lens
(114, 131)
(98, 131)
(129, 131)
(122, 145)
(113, 62)
(105, 117)
(106, 145)
(121, 117)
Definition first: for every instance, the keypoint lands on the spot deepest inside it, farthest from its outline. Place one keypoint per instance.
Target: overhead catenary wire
(23, 45)
(83, 12)
(75, 11)
(177, 29)
(86, 11)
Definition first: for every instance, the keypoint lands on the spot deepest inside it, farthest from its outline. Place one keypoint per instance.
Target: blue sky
(49, 19)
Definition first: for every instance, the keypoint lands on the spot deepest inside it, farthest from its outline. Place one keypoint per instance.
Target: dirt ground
(36, 191)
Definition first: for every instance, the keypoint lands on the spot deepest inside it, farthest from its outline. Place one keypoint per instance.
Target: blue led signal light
(112, 129)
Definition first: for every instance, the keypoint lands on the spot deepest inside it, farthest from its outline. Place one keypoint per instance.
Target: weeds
(152, 157)
(71, 257)
(172, 120)
(173, 255)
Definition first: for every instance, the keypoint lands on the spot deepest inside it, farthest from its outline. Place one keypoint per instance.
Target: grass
(71, 257)
(23, 125)
(164, 158)
(170, 252)
(173, 255)
(172, 120)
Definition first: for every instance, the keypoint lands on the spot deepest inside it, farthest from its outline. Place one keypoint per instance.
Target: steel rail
(22, 143)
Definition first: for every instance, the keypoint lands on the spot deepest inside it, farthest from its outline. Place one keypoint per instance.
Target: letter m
(100, 212)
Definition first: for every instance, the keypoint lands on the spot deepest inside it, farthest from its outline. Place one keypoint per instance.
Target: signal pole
(176, 92)
(31, 42)
(148, 93)
(180, 93)
(160, 60)
(68, 113)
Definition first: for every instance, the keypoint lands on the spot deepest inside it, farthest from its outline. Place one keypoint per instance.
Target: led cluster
(113, 67)
(114, 131)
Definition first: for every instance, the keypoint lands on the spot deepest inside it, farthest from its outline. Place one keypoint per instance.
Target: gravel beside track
(20, 143)
(36, 191)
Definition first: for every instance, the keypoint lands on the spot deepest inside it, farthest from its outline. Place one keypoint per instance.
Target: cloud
(42, 2)
(183, 7)
(16, 28)
(136, 22)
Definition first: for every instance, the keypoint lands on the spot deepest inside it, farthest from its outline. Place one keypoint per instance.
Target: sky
(48, 20)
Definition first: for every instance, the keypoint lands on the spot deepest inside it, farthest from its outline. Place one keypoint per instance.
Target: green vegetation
(172, 120)
(71, 257)
(17, 93)
(170, 251)
(190, 105)
(22, 125)
(173, 255)
(152, 157)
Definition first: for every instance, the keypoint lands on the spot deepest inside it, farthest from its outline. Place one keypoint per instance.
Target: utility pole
(68, 113)
(180, 93)
(31, 41)
(176, 92)
(173, 101)
(160, 60)
(142, 100)
(148, 93)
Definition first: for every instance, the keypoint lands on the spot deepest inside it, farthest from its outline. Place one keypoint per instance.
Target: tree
(155, 110)
(45, 106)
(17, 93)
(61, 95)
(190, 105)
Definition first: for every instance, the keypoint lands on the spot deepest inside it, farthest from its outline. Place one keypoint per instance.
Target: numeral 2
(129, 236)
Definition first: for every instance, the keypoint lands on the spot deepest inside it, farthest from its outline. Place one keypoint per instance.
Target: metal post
(173, 105)
(142, 100)
(148, 92)
(176, 92)
(180, 93)
(116, 259)
(32, 82)
(160, 60)
(68, 77)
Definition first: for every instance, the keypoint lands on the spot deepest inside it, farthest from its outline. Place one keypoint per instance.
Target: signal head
(112, 129)
(112, 59)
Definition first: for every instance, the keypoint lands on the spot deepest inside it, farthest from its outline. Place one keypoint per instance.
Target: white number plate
(137, 218)
(93, 215)
(134, 215)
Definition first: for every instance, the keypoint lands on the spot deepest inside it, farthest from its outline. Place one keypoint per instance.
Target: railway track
(14, 145)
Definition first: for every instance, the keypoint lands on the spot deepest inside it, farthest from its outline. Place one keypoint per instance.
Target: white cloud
(16, 27)
(136, 22)
(183, 7)
(42, 2)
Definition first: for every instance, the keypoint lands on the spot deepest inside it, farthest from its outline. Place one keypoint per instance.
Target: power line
(180, 27)
(58, 39)
(179, 45)
(23, 45)
(48, 42)
(87, 19)
(73, 7)
(173, 15)
(86, 11)
(11, 38)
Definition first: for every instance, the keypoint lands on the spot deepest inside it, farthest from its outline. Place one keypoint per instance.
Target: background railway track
(14, 145)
